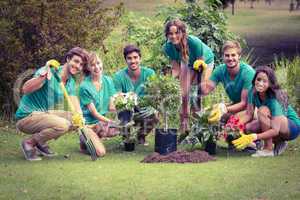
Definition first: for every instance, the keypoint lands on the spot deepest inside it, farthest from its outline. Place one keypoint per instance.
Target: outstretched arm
(241, 105)
(35, 83)
(207, 87)
(96, 114)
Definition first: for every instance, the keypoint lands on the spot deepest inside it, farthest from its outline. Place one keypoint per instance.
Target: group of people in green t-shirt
(192, 62)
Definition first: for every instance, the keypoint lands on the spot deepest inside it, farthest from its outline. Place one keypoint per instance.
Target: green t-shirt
(46, 97)
(275, 107)
(233, 88)
(196, 47)
(89, 94)
(123, 83)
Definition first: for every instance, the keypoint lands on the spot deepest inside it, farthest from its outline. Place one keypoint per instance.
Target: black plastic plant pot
(211, 147)
(165, 141)
(125, 116)
(129, 146)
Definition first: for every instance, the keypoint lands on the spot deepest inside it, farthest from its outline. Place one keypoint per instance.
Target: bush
(288, 74)
(34, 31)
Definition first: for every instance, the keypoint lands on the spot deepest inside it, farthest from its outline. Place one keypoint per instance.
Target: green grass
(265, 20)
(120, 175)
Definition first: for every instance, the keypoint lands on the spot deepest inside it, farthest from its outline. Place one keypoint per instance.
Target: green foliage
(125, 101)
(121, 175)
(207, 23)
(34, 31)
(163, 94)
(288, 75)
(201, 131)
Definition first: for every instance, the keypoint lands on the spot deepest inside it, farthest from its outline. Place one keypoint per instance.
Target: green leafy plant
(201, 131)
(34, 31)
(125, 101)
(288, 75)
(163, 94)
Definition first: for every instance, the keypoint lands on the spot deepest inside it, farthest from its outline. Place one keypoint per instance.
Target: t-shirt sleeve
(168, 51)
(39, 71)
(216, 75)
(275, 108)
(197, 46)
(117, 82)
(85, 96)
(112, 89)
(248, 77)
(72, 88)
(150, 73)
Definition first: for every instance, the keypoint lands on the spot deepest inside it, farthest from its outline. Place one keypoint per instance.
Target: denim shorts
(294, 130)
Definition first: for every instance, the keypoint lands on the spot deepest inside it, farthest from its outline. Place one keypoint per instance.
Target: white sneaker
(280, 147)
(263, 153)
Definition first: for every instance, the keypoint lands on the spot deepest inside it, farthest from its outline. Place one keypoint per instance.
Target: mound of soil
(179, 156)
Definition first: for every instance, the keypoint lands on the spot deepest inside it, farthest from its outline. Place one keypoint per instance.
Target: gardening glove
(78, 120)
(53, 63)
(50, 64)
(199, 65)
(217, 112)
(244, 141)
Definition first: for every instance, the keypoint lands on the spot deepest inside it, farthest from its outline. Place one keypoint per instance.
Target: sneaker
(45, 150)
(29, 151)
(263, 153)
(280, 147)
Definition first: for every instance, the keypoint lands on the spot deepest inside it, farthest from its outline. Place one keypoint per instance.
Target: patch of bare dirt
(179, 156)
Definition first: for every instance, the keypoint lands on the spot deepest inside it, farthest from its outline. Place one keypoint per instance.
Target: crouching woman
(277, 121)
(95, 94)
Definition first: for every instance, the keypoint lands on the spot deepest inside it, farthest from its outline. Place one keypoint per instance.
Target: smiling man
(132, 79)
(235, 76)
(36, 114)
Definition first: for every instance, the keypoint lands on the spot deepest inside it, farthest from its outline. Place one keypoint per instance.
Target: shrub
(33, 31)
(288, 74)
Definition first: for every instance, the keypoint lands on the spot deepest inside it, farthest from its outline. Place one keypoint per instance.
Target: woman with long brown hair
(277, 121)
(191, 61)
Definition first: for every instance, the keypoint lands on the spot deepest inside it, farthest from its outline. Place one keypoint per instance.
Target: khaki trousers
(45, 126)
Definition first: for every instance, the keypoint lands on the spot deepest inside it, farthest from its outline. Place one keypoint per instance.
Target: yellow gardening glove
(53, 63)
(199, 64)
(244, 141)
(217, 112)
(77, 120)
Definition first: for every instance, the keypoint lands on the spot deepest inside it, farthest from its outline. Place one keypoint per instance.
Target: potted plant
(163, 94)
(203, 134)
(129, 138)
(125, 104)
(232, 129)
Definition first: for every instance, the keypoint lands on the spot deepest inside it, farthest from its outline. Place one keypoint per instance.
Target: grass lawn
(120, 175)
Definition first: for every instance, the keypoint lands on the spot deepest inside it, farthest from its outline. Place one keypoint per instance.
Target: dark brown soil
(179, 156)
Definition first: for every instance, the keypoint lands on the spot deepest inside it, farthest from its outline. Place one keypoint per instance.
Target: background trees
(33, 31)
